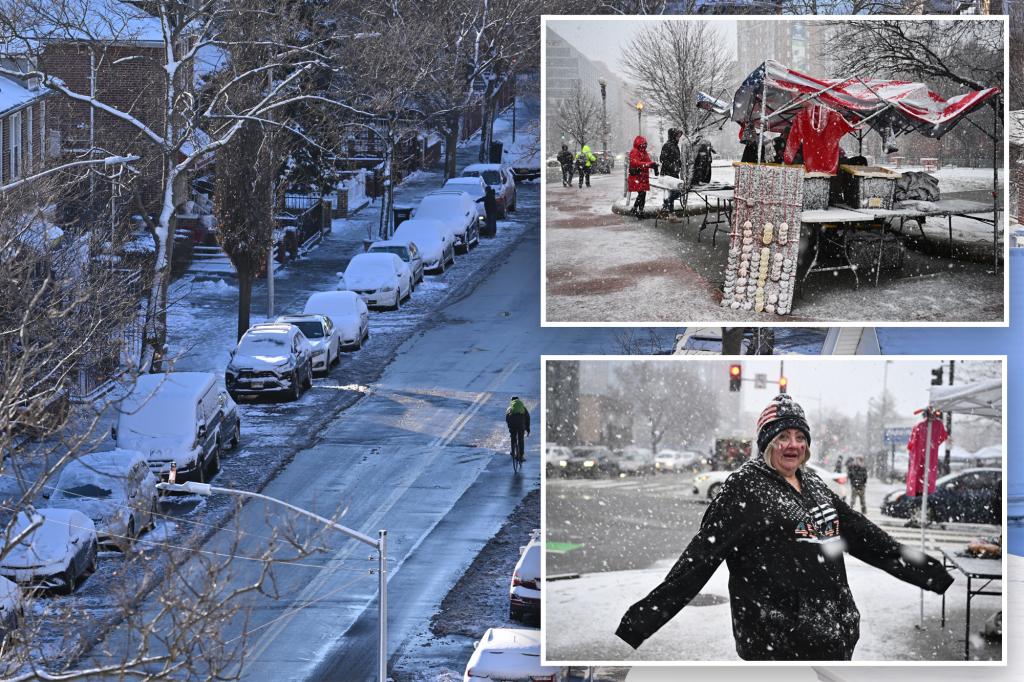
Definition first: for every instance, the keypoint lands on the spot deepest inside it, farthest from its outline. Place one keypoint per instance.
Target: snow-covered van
(184, 418)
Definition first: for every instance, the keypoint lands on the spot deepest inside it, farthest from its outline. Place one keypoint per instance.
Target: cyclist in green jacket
(517, 417)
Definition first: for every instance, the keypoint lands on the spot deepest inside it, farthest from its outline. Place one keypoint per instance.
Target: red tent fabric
(912, 106)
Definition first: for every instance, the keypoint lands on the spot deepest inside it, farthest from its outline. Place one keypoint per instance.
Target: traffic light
(783, 384)
(937, 376)
(735, 377)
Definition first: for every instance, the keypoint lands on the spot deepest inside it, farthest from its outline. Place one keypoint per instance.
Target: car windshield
(491, 177)
(399, 251)
(263, 344)
(83, 489)
(313, 329)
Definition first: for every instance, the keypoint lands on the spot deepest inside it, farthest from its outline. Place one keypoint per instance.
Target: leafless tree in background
(579, 115)
(671, 62)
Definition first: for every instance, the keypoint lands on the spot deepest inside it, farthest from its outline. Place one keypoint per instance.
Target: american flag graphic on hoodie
(820, 525)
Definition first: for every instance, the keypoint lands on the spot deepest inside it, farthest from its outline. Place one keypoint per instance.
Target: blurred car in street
(500, 179)
(675, 461)
(968, 496)
(556, 459)
(435, 242)
(322, 335)
(707, 485)
(524, 592)
(348, 314)
(381, 279)
(115, 489)
(596, 460)
(510, 654)
(270, 358)
(57, 554)
(635, 461)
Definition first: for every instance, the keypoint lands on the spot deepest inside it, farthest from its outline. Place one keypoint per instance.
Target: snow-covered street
(603, 267)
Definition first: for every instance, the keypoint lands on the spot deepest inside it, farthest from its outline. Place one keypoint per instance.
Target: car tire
(153, 511)
(296, 391)
(514, 614)
(131, 534)
(512, 206)
(212, 466)
(236, 435)
(398, 298)
(713, 490)
(67, 586)
(309, 375)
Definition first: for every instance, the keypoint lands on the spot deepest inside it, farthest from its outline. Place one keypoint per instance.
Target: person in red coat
(639, 179)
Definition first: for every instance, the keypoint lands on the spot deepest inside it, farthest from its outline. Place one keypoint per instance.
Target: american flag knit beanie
(782, 413)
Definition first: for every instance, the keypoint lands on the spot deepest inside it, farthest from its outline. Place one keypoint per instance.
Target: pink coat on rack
(916, 448)
(819, 129)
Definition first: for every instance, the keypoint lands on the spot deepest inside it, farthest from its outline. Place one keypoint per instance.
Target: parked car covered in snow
(348, 313)
(457, 211)
(510, 654)
(435, 241)
(407, 251)
(322, 335)
(12, 607)
(184, 418)
(57, 554)
(524, 592)
(270, 358)
(381, 279)
(115, 489)
(500, 179)
(474, 186)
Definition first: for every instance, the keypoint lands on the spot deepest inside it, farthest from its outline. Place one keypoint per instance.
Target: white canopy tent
(981, 398)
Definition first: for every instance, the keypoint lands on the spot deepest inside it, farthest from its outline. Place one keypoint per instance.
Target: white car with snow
(524, 592)
(57, 554)
(457, 211)
(184, 419)
(709, 484)
(115, 489)
(382, 279)
(407, 251)
(500, 179)
(347, 311)
(474, 186)
(435, 241)
(322, 335)
(12, 607)
(510, 654)
(674, 461)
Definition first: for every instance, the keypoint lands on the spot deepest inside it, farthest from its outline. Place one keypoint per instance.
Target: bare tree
(171, 141)
(671, 62)
(579, 115)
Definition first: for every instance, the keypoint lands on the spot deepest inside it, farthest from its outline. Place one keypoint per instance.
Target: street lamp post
(639, 113)
(380, 544)
(604, 116)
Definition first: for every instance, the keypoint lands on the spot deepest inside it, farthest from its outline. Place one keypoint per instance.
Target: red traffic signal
(735, 377)
(783, 384)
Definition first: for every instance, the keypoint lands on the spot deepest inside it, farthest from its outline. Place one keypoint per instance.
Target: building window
(42, 129)
(31, 142)
(15, 146)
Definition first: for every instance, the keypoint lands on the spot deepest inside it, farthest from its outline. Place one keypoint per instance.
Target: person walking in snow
(782, 532)
(517, 418)
(565, 161)
(671, 163)
(490, 202)
(584, 162)
(639, 180)
(858, 475)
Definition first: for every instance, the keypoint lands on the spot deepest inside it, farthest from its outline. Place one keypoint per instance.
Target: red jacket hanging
(819, 130)
(916, 450)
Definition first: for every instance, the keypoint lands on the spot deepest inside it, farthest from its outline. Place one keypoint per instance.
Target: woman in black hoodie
(782, 532)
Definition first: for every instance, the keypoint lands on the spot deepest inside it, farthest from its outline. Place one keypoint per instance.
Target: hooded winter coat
(669, 157)
(517, 417)
(584, 157)
(788, 590)
(639, 165)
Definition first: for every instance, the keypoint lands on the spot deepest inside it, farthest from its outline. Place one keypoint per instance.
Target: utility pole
(949, 425)
(604, 116)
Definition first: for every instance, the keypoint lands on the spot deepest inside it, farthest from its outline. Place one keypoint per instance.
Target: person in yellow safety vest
(584, 162)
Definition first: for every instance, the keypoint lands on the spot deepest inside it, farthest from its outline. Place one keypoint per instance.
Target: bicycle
(517, 456)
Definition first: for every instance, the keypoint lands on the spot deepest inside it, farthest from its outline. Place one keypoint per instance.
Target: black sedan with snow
(968, 496)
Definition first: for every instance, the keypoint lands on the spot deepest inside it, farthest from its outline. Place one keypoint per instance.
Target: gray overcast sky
(604, 39)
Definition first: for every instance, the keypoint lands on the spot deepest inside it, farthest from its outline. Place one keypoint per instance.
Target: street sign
(896, 435)
(760, 380)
